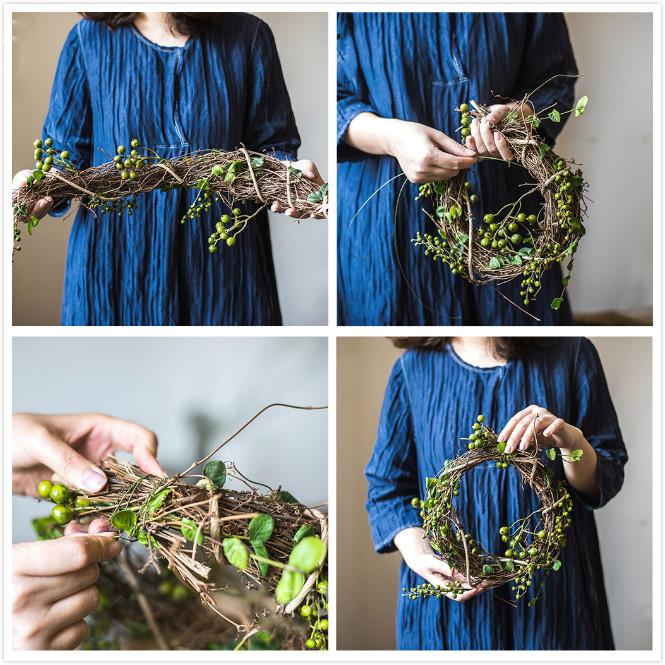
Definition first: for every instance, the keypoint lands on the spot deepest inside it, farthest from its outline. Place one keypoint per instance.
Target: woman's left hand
(309, 170)
(486, 140)
(521, 430)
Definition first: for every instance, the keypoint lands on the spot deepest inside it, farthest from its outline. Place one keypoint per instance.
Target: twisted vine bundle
(232, 177)
(532, 542)
(509, 243)
(193, 523)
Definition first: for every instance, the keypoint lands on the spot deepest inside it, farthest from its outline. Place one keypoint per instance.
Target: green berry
(64, 154)
(481, 418)
(488, 218)
(37, 143)
(165, 587)
(44, 489)
(212, 249)
(236, 212)
(230, 241)
(464, 108)
(415, 502)
(49, 142)
(82, 502)
(179, 593)
(323, 625)
(62, 514)
(310, 644)
(305, 611)
(59, 493)
(121, 150)
(134, 143)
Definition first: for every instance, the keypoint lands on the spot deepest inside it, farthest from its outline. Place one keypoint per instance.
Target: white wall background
(367, 583)
(193, 392)
(614, 143)
(299, 250)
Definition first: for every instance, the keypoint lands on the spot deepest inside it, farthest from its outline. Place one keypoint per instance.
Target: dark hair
(507, 348)
(185, 23)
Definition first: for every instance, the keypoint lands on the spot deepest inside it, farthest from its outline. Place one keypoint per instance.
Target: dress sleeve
(392, 470)
(547, 54)
(352, 95)
(69, 118)
(596, 417)
(270, 125)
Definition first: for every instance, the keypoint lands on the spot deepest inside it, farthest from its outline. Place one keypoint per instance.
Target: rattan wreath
(533, 542)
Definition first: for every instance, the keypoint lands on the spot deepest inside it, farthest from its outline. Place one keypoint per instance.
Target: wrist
(574, 440)
(389, 132)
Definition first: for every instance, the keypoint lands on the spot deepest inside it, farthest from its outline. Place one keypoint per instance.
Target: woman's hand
(424, 154)
(53, 589)
(520, 433)
(485, 140)
(422, 559)
(72, 446)
(41, 207)
(308, 168)
(522, 429)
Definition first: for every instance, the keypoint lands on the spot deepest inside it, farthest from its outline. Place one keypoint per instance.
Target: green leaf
(501, 447)
(289, 586)
(308, 554)
(576, 180)
(124, 520)
(532, 602)
(440, 212)
(556, 303)
(554, 116)
(215, 472)
(551, 453)
(543, 149)
(487, 570)
(295, 171)
(287, 497)
(576, 455)
(158, 500)
(580, 107)
(534, 121)
(526, 250)
(189, 529)
(142, 537)
(509, 566)
(261, 550)
(462, 238)
(257, 162)
(556, 565)
(572, 248)
(516, 260)
(495, 264)
(304, 531)
(260, 528)
(236, 553)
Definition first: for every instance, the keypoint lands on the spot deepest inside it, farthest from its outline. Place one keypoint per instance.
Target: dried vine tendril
(237, 179)
(508, 243)
(533, 542)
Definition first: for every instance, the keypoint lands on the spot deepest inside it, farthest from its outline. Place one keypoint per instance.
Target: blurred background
(193, 392)
(367, 583)
(299, 249)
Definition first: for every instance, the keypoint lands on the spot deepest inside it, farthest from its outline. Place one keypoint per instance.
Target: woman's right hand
(53, 589)
(41, 207)
(426, 154)
(422, 559)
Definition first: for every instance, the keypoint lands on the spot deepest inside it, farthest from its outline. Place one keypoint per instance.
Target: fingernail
(115, 548)
(93, 480)
(497, 136)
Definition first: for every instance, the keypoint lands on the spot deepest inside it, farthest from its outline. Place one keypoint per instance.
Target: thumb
(74, 469)
(451, 146)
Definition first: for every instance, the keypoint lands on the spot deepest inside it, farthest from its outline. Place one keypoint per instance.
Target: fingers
(72, 609)
(487, 135)
(309, 170)
(57, 587)
(97, 526)
(20, 178)
(70, 638)
(452, 164)
(554, 427)
(508, 428)
(41, 207)
(502, 146)
(64, 555)
(139, 441)
(452, 147)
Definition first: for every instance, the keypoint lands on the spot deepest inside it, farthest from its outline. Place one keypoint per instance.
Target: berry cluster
(66, 502)
(315, 611)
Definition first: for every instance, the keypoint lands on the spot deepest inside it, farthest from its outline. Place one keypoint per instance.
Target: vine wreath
(509, 243)
(191, 521)
(533, 542)
(233, 178)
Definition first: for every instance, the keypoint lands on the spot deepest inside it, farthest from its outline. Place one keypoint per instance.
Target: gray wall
(193, 392)
(300, 250)
(367, 582)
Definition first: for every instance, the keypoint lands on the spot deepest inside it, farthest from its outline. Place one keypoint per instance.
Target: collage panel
(501, 480)
(167, 160)
(188, 452)
(475, 167)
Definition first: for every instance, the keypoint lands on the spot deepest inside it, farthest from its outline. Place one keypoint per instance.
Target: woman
(53, 581)
(400, 79)
(436, 390)
(178, 83)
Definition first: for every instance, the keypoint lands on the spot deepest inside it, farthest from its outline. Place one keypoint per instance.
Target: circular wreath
(509, 243)
(532, 542)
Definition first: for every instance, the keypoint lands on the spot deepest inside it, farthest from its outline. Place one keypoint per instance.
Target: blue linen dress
(222, 88)
(432, 399)
(420, 67)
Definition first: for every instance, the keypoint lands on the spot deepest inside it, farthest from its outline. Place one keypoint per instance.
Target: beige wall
(300, 250)
(367, 583)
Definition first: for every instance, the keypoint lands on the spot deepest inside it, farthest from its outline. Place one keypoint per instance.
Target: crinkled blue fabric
(222, 88)
(420, 67)
(432, 399)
